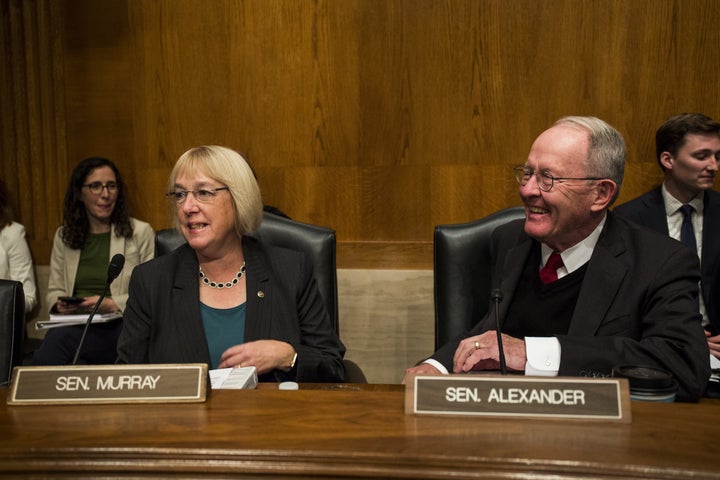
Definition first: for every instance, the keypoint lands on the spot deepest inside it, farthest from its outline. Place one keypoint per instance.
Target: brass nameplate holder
(154, 383)
(569, 398)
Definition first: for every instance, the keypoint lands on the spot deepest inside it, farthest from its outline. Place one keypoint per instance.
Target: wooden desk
(347, 432)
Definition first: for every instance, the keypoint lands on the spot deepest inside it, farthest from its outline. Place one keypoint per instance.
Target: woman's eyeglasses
(202, 195)
(96, 188)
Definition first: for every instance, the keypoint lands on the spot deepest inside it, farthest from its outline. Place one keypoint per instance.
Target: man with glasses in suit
(584, 290)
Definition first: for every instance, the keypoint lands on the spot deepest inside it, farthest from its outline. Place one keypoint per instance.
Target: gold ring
(477, 345)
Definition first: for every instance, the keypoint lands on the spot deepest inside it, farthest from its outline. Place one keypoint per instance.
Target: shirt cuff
(543, 356)
(437, 365)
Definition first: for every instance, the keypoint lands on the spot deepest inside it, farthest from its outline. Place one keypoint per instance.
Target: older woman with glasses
(96, 226)
(226, 298)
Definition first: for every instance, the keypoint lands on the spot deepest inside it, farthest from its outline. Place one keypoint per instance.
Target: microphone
(116, 265)
(497, 296)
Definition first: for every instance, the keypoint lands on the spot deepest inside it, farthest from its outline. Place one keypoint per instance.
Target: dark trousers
(60, 344)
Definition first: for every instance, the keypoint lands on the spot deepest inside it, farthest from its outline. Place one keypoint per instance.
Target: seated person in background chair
(15, 259)
(96, 226)
(621, 294)
(688, 151)
(225, 298)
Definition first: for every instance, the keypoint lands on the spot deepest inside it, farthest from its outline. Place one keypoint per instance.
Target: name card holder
(566, 398)
(102, 384)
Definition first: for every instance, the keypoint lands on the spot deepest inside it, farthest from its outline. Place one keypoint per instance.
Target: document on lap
(58, 320)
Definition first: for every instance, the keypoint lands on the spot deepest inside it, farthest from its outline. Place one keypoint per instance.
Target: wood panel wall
(379, 118)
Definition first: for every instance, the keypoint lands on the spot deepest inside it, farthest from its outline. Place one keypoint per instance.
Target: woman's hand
(66, 307)
(108, 305)
(264, 355)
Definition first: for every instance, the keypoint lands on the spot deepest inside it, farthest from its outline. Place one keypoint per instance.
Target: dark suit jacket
(649, 210)
(637, 305)
(162, 322)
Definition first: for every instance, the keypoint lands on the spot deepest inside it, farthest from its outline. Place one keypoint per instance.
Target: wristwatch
(292, 362)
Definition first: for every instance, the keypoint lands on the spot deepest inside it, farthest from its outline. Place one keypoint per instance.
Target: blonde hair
(228, 167)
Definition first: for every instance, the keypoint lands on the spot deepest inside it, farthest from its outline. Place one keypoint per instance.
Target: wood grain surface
(344, 431)
(380, 119)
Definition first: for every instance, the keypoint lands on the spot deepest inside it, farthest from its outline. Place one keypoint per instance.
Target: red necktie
(549, 272)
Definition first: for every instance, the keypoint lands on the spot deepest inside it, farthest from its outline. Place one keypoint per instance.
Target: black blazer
(649, 211)
(162, 322)
(637, 305)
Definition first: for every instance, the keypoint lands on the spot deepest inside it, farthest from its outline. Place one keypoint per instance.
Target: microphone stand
(116, 265)
(497, 298)
(89, 321)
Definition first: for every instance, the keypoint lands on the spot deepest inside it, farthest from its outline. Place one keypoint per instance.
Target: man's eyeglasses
(97, 187)
(202, 195)
(545, 181)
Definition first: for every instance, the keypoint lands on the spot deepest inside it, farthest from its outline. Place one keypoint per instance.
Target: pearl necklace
(234, 282)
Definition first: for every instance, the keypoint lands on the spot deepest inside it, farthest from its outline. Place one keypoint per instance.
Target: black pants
(99, 348)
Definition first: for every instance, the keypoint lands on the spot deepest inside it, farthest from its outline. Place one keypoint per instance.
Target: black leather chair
(317, 242)
(461, 272)
(12, 327)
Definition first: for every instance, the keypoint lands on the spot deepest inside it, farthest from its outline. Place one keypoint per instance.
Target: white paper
(715, 366)
(714, 363)
(58, 320)
(233, 378)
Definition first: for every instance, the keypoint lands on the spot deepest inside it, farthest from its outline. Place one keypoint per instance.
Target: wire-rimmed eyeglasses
(544, 180)
(202, 195)
(96, 188)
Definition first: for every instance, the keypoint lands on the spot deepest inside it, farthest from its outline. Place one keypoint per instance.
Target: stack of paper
(233, 378)
(58, 320)
(715, 370)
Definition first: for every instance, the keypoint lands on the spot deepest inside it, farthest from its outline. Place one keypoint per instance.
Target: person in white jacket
(15, 259)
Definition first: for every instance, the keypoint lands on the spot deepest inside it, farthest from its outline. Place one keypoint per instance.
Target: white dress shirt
(674, 222)
(543, 353)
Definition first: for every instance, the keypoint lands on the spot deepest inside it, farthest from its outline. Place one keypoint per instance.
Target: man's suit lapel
(711, 230)
(513, 265)
(656, 217)
(710, 262)
(603, 278)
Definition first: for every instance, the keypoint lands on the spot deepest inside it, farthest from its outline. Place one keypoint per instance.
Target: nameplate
(154, 383)
(605, 399)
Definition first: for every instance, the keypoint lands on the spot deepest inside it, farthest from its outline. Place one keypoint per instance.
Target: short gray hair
(607, 153)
